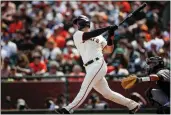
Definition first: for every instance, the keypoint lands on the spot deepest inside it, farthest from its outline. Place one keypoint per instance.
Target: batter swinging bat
(133, 13)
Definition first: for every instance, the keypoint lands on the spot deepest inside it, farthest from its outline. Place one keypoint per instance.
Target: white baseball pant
(94, 78)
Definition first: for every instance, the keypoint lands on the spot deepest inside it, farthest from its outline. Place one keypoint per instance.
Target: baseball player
(161, 95)
(156, 73)
(90, 45)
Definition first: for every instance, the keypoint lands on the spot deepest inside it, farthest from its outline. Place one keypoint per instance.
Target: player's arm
(152, 77)
(97, 32)
(109, 47)
(132, 80)
(162, 75)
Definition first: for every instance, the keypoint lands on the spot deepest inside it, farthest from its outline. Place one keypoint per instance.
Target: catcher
(158, 73)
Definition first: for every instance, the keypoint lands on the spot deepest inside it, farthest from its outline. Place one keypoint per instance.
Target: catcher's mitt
(129, 81)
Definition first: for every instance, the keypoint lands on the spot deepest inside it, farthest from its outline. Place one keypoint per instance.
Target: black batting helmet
(82, 22)
(154, 64)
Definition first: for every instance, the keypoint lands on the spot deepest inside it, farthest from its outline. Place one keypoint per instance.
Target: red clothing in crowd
(35, 68)
(126, 7)
(15, 26)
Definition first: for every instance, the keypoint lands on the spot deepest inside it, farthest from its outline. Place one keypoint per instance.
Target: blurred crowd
(37, 36)
(93, 102)
(52, 103)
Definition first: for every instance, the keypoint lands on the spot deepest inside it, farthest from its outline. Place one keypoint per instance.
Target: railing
(114, 77)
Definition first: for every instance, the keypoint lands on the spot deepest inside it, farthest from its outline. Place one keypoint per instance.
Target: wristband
(145, 79)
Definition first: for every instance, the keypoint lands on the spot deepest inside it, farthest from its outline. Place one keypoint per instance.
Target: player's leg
(89, 81)
(102, 87)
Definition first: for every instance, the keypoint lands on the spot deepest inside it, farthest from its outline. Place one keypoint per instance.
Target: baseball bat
(133, 13)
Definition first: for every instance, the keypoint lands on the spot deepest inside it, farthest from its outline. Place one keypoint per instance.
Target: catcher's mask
(154, 64)
(82, 22)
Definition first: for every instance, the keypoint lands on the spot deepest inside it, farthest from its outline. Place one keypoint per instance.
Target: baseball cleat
(62, 111)
(133, 111)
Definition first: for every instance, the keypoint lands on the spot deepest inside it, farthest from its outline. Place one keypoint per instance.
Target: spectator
(119, 70)
(16, 25)
(13, 72)
(119, 57)
(23, 64)
(67, 64)
(8, 9)
(21, 104)
(70, 50)
(5, 68)
(50, 104)
(18, 38)
(9, 103)
(61, 100)
(27, 44)
(51, 51)
(77, 73)
(39, 39)
(9, 48)
(54, 70)
(59, 36)
(94, 102)
(38, 67)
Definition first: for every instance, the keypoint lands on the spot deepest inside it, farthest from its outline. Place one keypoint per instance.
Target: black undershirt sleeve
(94, 33)
(110, 35)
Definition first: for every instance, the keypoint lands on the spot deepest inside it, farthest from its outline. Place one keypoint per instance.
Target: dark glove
(110, 37)
(114, 27)
(111, 32)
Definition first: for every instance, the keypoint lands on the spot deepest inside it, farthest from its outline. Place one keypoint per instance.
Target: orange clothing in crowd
(35, 68)
(59, 40)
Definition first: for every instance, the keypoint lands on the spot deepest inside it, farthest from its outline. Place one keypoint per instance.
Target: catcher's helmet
(82, 22)
(154, 64)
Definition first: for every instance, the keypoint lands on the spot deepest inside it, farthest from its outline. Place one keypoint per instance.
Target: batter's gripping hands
(114, 27)
(129, 81)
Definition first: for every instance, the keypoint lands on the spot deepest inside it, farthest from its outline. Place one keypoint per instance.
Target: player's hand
(114, 27)
(111, 32)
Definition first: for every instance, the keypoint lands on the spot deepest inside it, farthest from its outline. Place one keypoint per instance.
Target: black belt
(91, 61)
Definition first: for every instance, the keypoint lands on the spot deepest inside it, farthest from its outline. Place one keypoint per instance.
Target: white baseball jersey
(95, 73)
(89, 49)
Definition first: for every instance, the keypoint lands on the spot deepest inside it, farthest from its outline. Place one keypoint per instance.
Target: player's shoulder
(77, 32)
(100, 37)
(164, 73)
(77, 37)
